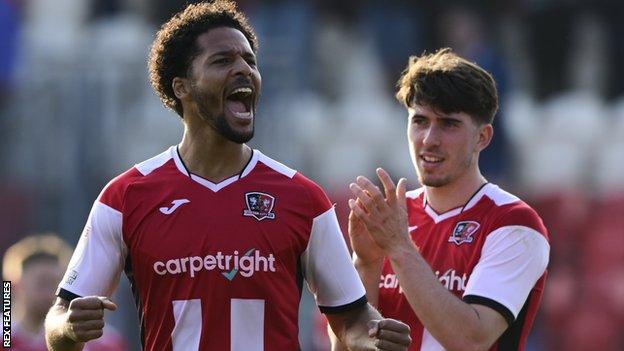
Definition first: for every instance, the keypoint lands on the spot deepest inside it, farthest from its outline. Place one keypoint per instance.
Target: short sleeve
(99, 257)
(328, 269)
(513, 258)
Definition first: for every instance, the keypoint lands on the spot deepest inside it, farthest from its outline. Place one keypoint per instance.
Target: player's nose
(431, 136)
(242, 67)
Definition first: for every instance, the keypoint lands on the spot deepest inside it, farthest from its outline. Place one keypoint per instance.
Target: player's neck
(211, 156)
(455, 194)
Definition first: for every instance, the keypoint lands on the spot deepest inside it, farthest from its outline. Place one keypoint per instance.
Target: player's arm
(367, 257)
(69, 325)
(455, 324)
(369, 273)
(93, 272)
(338, 291)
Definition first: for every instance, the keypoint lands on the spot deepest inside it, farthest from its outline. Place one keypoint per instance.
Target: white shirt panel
(429, 343)
(513, 258)
(187, 328)
(100, 255)
(247, 324)
(327, 266)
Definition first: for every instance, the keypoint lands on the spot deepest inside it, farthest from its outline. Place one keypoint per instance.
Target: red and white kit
(215, 266)
(493, 251)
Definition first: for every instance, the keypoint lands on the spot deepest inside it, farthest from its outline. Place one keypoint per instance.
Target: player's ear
(181, 87)
(486, 132)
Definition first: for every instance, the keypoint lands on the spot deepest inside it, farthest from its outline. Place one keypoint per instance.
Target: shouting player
(216, 238)
(461, 260)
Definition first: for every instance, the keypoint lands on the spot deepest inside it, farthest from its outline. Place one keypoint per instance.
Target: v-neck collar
(472, 201)
(207, 183)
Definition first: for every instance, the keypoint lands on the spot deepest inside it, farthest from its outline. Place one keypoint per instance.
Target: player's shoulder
(510, 210)
(149, 166)
(275, 166)
(113, 193)
(415, 199)
(300, 183)
(415, 194)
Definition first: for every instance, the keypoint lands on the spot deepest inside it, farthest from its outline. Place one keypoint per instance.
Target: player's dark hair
(175, 45)
(450, 84)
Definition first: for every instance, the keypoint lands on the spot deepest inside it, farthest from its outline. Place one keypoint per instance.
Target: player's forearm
(56, 338)
(356, 333)
(369, 273)
(336, 344)
(452, 322)
(351, 328)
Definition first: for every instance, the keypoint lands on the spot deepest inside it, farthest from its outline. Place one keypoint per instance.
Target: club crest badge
(259, 205)
(463, 232)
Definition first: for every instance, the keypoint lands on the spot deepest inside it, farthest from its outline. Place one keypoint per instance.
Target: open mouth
(240, 102)
(429, 161)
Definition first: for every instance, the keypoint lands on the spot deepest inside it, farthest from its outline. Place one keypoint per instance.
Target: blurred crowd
(76, 109)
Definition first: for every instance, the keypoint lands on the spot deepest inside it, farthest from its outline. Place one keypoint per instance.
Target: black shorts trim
(497, 306)
(350, 306)
(66, 295)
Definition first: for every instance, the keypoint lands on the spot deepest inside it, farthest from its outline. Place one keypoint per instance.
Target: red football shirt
(215, 266)
(493, 251)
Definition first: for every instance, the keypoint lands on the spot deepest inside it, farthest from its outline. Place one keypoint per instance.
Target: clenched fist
(85, 317)
(390, 334)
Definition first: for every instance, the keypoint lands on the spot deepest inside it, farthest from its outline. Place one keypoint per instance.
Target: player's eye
(418, 120)
(220, 61)
(450, 123)
(251, 61)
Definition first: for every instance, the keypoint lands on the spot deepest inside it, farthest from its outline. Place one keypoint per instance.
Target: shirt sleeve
(328, 269)
(513, 258)
(99, 257)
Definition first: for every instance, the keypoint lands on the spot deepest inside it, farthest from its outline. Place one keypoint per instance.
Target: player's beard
(217, 120)
(436, 182)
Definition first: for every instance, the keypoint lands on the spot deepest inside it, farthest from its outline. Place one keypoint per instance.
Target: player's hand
(384, 215)
(361, 242)
(390, 334)
(85, 317)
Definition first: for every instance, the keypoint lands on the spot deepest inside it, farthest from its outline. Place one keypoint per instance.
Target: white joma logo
(174, 205)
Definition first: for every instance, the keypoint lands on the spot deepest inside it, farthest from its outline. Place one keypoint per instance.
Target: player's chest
(198, 222)
(451, 248)
(455, 242)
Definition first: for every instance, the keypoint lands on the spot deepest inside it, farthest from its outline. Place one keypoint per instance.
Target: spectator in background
(34, 265)
(398, 27)
(550, 26)
(466, 32)
(611, 13)
(9, 25)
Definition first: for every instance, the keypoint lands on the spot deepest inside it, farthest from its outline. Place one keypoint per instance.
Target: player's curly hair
(175, 45)
(450, 84)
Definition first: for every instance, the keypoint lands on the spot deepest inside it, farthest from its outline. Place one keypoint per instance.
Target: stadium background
(76, 109)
